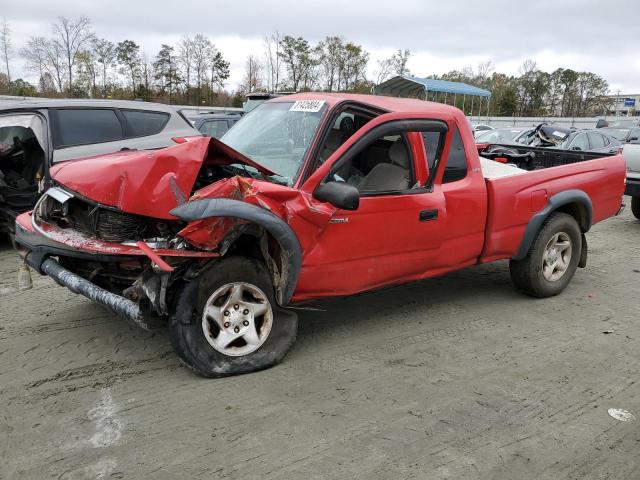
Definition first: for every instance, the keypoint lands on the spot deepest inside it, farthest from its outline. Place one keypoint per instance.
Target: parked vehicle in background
(624, 135)
(34, 135)
(258, 98)
(480, 127)
(503, 135)
(621, 123)
(311, 196)
(554, 136)
(214, 124)
(631, 153)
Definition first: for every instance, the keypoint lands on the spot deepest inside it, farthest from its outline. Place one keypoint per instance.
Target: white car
(479, 128)
(631, 154)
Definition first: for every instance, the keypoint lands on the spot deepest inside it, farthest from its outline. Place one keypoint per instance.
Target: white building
(625, 104)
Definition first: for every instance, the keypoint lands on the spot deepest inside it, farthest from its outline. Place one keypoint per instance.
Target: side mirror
(602, 123)
(339, 194)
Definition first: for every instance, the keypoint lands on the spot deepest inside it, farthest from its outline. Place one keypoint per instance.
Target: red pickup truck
(308, 196)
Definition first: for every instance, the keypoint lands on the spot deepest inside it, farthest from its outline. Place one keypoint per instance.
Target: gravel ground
(455, 377)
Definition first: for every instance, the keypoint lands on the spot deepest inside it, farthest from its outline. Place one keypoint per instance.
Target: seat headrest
(398, 154)
(335, 138)
(347, 126)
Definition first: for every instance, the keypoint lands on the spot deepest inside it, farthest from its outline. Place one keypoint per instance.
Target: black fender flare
(555, 202)
(284, 235)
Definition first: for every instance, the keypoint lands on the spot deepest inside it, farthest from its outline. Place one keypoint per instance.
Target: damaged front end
(126, 262)
(132, 245)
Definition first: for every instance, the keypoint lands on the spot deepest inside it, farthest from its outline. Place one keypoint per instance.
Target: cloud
(584, 35)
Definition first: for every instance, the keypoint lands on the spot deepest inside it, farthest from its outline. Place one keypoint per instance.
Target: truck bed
(513, 199)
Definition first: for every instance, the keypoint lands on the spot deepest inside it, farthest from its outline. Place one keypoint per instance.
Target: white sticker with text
(309, 106)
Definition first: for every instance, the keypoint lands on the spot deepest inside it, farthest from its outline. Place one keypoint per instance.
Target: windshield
(277, 135)
(617, 133)
(623, 123)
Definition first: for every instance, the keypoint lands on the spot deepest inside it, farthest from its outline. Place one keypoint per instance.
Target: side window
(214, 128)
(384, 165)
(580, 142)
(456, 166)
(141, 123)
(596, 140)
(83, 126)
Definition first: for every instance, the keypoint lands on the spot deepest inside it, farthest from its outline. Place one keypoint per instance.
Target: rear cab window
(456, 166)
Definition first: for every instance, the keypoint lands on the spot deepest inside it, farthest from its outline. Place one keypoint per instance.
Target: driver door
(395, 233)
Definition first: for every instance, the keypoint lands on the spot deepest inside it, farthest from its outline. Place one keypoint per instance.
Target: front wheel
(227, 321)
(635, 207)
(552, 259)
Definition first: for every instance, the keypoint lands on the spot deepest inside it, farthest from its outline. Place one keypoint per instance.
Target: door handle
(428, 215)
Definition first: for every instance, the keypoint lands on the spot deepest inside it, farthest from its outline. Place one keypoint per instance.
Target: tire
(635, 207)
(196, 340)
(528, 274)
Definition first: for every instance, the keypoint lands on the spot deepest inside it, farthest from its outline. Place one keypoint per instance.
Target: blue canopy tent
(429, 89)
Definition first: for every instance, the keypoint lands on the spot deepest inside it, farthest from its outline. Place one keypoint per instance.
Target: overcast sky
(598, 36)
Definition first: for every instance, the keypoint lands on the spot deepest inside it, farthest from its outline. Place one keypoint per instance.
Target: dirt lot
(456, 377)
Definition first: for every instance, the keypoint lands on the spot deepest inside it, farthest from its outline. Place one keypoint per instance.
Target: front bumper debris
(116, 303)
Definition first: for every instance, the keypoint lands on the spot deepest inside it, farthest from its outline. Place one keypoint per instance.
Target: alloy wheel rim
(237, 319)
(556, 257)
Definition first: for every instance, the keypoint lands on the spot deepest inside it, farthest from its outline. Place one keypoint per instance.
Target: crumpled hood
(146, 182)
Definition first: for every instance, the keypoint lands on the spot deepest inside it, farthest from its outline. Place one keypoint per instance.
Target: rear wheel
(552, 260)
(635, 207)
(227, 322)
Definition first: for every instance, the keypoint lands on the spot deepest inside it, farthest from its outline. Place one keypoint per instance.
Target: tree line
(73, 61)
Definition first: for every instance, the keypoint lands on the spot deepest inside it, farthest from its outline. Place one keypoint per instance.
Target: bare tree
(395, 65)
(401, 59)
(70, 37)
(384, 71)
(201, 49)
(485, 69)
(146, 76)
(185, 54)
(252, 75)
(6, 45)
(331, 55)
(87, 73)
(105, 53)
(273, 60)
(44, 57)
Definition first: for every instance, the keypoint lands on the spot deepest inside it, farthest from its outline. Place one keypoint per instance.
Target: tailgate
(513, 200)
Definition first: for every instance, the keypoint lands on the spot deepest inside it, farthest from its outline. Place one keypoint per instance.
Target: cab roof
(389, 104)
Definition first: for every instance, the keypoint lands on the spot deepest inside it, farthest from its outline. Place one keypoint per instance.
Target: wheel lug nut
(246, 323)
(236, 329)
(236, 306)
(226, 324)
(245, 312)
(226, 313)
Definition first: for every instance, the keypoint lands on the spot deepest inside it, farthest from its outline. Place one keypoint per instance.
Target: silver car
(36, 134)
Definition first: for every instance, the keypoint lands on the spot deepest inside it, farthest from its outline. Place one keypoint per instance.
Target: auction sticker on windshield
(310, 106)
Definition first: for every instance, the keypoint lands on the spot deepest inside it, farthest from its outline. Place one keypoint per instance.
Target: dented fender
(237, 209)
